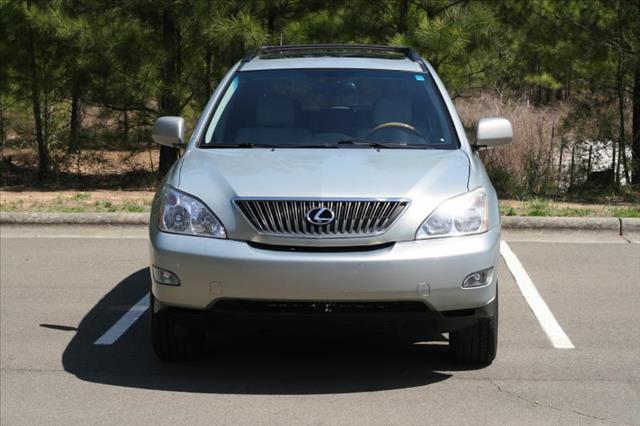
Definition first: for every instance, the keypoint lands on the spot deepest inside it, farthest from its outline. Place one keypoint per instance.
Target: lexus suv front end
(328, 181)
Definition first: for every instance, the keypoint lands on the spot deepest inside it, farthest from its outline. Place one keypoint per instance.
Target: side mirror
(492, 132)
(169, 131)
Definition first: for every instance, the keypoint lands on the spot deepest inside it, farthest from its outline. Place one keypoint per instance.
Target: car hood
(324, 173)
(425, 177)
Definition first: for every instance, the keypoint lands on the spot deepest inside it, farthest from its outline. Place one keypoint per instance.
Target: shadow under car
(253, 360)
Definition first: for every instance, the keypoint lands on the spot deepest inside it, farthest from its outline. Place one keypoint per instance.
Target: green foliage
(503, 182)
(544, 79)
(81, 196)
(462, 43)
(134, 60)
(627, 212)
(132, 207)
(538, 207)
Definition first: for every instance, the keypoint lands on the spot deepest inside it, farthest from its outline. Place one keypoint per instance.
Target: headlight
(183, 214)
(461, 215)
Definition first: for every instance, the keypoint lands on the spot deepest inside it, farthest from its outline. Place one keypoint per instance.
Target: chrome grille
(353, 218)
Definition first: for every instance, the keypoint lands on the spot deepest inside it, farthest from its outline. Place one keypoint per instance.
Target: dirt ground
(89, 170)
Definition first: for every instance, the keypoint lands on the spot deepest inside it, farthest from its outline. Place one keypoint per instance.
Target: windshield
(327, 108)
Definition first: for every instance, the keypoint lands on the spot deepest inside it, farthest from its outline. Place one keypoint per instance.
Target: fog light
(164, 277)
(478, 279)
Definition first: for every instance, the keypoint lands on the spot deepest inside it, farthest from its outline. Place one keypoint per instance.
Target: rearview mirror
(169, 131)
(492, 132)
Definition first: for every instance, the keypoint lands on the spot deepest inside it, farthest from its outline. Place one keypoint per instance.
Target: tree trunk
(403, 12)
(620, 90)
(538, 87)
(43, 156)
(125, 126)
(2, 135)
(272, 12)
(573, 156)
(568, 89)
(636, 125)
(614, 144)
(621, 134)
(169, 103)
(207, 88)
(74, 122)
(560, 166)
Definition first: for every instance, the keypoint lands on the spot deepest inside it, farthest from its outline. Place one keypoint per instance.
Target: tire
(477, 344)
(174, 342)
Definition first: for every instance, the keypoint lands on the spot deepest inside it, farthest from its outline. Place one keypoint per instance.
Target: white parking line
(124, 322)
(558, 337)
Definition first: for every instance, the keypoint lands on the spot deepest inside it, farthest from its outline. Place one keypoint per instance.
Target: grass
(82, 196)
(546, 207)
(627, 211)
(81, 202)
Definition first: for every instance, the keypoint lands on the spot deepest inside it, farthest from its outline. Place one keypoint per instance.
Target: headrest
(396, 109)
(275, 111)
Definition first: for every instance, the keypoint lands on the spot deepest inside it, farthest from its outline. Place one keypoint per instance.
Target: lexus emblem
(321, 216)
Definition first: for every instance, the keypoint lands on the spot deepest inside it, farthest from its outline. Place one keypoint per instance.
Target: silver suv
(332, 182)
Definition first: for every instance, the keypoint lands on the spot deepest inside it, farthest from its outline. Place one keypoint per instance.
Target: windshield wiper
(353, 142)
(265, 145)
(372, 144)
(239, 145)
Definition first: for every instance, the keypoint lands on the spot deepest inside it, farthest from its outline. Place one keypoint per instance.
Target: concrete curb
(627, 227)
(615, 225)
(562, 223)
(630, 225)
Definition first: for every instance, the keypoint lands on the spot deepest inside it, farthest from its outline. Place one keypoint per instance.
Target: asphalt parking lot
(63, 288)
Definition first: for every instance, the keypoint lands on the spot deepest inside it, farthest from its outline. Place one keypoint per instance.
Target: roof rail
(409, 52)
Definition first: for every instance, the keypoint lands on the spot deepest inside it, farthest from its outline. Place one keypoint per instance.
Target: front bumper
(428, 271)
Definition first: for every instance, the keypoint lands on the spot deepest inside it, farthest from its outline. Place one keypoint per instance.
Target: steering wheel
(397, 125)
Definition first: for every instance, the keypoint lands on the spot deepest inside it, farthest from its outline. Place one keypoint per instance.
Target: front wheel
(172, 341)
(477, 344)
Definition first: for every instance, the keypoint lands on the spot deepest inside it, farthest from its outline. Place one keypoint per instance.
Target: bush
(528, 166)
